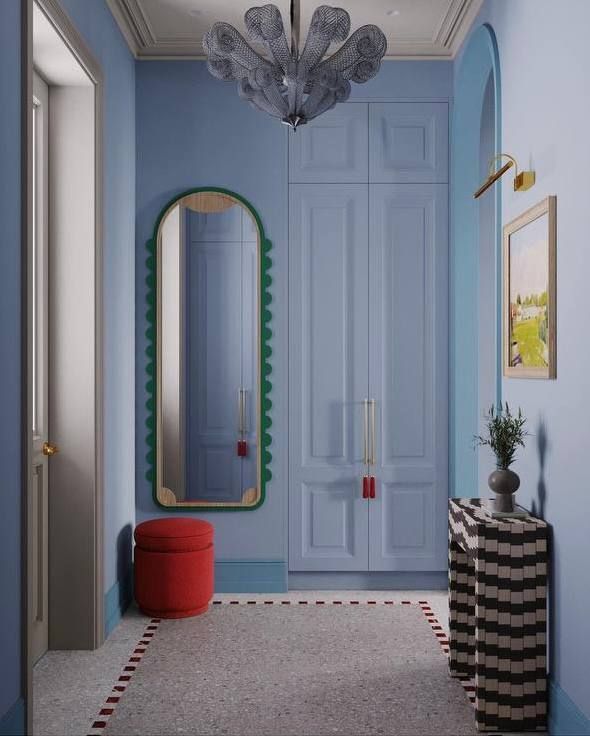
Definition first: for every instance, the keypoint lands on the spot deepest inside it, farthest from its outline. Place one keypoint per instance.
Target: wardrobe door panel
(408, 375)
(331, 148)
(408, 142)
(249, 384)
(214, 334)
(328, 380)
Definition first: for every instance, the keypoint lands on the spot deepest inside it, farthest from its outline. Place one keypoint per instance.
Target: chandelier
(292, 86)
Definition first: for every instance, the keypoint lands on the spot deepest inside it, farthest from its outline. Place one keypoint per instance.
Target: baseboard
(250, 576)
(368, 581)
(565, 718)
(12, 723)
(116, 602)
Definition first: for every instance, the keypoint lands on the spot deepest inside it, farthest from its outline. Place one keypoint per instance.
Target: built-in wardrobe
(368, 334)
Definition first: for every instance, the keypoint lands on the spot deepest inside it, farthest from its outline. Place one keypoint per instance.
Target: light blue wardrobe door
(328, 376)
(331, 148)
(409, 142)
(214, 370)
(408, 267)
(250, 361)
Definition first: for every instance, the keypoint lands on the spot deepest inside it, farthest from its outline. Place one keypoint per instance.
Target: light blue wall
(545, 112)
(98, 27)
(193, 130)
(10, 371)
(479, 60)
(96, 24)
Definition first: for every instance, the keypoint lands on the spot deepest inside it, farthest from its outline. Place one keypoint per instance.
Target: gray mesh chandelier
(294, 86)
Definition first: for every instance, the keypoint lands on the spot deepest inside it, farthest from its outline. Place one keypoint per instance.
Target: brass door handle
(50, 449)
(366, 432)
(372, 458)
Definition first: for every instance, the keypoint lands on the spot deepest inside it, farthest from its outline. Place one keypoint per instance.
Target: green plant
(505, 433)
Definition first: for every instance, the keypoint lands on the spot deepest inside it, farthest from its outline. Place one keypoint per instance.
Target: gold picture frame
(529, 293)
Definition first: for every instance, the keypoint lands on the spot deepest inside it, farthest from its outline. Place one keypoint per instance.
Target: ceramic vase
(504, 483)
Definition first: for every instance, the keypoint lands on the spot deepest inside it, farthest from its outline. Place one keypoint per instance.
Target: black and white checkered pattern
(498, 614)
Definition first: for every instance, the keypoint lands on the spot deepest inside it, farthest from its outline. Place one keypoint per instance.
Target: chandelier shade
(291, 85)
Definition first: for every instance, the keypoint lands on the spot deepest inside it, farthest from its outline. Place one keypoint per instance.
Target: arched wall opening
(475, 368)
(487, 305)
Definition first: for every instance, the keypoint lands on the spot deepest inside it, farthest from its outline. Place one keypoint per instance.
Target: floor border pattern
(101, 720)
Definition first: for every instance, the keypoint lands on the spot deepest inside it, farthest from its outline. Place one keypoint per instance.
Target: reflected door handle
(372, 458)
(49, 449)
(372, 487)
(242, 448)
(365, 486)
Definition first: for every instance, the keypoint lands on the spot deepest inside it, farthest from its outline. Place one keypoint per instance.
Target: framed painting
(529, 303)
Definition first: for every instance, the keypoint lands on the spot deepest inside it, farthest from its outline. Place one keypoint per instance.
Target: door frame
(60, 21)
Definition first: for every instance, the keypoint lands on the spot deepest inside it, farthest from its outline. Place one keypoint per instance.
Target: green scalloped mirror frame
(264, 317)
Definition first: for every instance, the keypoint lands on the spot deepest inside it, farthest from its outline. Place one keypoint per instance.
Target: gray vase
(504, 483)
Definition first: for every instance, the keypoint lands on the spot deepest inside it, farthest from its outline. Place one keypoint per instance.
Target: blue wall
(103, 37)
(10, 276)
(96, 24)
(545, 113)
(193, 130)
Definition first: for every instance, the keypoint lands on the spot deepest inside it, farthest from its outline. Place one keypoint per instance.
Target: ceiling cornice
(134, 25)
(145, 45)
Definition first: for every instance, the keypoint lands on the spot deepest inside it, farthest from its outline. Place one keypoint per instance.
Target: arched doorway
(475, 259)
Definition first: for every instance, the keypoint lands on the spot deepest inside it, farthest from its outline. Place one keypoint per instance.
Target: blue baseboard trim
(12, 722)
(250, 576)
(565, 718)
(368, 581)
(116, 602)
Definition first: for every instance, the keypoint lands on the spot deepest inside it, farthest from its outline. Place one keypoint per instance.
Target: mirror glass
(208, 377)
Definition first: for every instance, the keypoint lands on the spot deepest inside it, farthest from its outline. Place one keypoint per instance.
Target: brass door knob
(50, 449)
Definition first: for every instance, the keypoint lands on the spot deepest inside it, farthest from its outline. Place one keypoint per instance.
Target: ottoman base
(175, 614)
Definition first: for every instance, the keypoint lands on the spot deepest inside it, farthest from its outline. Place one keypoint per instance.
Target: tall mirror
(208, 265)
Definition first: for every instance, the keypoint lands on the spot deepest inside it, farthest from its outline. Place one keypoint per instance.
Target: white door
(40, 380)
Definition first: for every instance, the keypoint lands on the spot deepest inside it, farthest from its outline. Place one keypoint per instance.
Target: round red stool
(173, 567)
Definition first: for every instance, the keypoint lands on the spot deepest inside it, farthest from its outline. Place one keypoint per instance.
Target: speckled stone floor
(71, 687)
(289, 670)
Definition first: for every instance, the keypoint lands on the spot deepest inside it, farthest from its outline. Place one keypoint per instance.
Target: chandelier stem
(295, 27)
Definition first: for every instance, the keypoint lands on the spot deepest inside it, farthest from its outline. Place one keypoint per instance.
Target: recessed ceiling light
(392, 12)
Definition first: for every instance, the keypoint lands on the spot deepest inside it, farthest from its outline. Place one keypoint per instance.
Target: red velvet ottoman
(173, 567)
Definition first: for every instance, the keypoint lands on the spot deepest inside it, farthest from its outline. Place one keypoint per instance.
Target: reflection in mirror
(208, 356)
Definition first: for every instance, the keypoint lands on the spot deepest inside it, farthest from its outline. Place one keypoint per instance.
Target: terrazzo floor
(71, 687)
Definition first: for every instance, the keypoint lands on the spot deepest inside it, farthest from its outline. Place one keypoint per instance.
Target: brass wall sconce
(522, 181)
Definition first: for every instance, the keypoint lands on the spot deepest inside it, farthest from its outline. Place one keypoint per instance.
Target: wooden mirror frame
(153, 421)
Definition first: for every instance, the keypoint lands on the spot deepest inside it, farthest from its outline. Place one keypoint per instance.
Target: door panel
(328, 267)
(408, 375)
(214, 340)
(250, 359)
(408, 142)
(328, 526)
(331, 148)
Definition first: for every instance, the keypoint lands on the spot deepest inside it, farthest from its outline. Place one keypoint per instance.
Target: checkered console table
(498, 615)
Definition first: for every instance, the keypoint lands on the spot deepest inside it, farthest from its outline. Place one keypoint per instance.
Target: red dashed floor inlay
(123, 680)
(112, 700)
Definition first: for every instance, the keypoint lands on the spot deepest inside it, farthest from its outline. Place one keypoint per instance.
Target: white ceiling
(415, 29)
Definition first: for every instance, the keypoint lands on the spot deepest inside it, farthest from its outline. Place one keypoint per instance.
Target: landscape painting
(529, 293)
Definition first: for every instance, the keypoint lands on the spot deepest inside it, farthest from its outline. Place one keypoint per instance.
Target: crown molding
(145, 45)
(134, 25)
